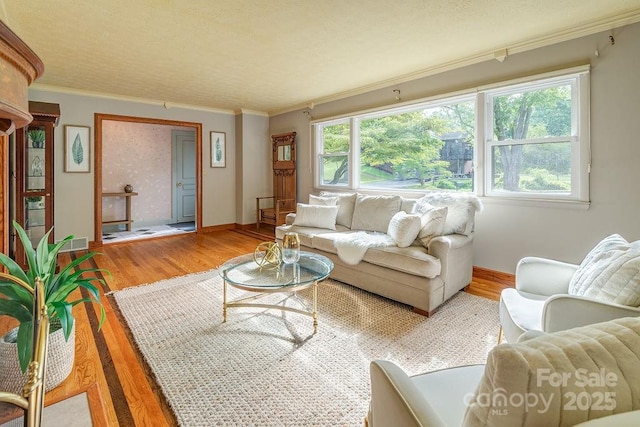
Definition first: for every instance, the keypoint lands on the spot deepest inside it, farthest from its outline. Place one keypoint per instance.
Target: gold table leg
(224, 302)
(315, 306)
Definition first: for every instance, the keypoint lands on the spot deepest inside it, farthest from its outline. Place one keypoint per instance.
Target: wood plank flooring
(108, 358)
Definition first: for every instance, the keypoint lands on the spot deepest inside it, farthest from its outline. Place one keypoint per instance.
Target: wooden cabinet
(34, 174)
(19, 66)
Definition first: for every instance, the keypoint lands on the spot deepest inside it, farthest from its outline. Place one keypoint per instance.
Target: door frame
(97, 181)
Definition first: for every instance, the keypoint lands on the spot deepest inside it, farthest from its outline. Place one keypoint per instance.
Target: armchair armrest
(562, 312)
(395, 399)
(543, 276)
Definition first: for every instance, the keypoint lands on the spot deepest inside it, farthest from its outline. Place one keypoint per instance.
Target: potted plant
(33, 202)
(37, 138)
(58, 287)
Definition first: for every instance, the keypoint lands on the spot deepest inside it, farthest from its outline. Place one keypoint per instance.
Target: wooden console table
(127, 197)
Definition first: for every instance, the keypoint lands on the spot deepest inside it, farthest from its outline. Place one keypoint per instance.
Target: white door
(184, 175)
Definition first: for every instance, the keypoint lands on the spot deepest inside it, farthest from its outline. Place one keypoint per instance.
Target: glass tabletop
(243, 271)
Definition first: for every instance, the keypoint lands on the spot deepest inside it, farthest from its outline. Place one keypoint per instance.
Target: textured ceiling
(277, 55)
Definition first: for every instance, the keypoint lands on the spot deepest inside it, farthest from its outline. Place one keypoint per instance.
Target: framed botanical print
(218, 149)
(77, 148)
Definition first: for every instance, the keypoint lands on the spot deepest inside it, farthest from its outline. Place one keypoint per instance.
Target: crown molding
(251, 112)
(605, 24)
(166, 104)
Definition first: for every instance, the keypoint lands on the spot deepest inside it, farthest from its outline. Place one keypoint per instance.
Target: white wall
(74, 213)
(254, 172)
(507, 231)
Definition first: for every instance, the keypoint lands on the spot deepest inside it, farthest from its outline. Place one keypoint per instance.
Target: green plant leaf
(14, 269)
(25, 344)
(29, 253)
(16, 293)
(77, 150)
(15, 309)
(63, 312)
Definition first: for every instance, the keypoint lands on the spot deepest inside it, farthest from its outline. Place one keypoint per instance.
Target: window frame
(579, 138)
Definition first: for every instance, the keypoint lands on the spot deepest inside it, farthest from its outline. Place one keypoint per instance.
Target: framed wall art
(77, 148)
(218, 149)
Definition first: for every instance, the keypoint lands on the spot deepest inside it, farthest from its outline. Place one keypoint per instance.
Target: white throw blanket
(352, 247)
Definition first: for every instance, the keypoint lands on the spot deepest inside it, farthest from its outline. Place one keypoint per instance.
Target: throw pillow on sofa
(322, 201)
(610, 272)
(346, 204)
(404, 228)
(316, 216)
(432, 221)
(373, 213)
(461, 209)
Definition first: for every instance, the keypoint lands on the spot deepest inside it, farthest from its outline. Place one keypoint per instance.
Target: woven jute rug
(268, 368)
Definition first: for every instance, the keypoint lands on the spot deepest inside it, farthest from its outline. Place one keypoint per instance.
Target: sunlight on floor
(147, 232)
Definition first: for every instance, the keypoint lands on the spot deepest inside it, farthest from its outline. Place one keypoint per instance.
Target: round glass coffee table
(243, 273)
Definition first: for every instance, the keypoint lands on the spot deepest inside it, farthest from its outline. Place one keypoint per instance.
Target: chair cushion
(520, 312)
(610, 272)
(562, 378)
(316, 216)
(449, 390)
(373, 213)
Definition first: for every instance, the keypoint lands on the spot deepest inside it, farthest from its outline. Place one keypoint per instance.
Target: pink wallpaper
(137, 154)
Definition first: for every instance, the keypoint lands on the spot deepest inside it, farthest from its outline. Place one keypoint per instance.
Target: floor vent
(76, 244)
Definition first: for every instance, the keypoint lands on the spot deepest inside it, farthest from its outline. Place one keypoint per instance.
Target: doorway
(183, 178)
(182, 149)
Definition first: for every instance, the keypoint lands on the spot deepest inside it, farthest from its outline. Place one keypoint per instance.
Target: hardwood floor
(109, 359)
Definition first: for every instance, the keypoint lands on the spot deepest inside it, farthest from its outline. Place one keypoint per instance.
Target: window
(334, 153)
(531, 142)
(534, 139)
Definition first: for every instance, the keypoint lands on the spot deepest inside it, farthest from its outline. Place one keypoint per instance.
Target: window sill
(539, 203)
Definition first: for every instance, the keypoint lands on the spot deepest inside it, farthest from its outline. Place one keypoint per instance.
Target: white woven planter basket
(60, 358)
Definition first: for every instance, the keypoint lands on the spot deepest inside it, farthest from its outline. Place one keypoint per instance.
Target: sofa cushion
(322, 200)
(610, 272)
(346, 204)
(306, 234)
(461, 209)
(413, 259)
(404, 228)
(316, 216)
(407, 205)
(373, 213)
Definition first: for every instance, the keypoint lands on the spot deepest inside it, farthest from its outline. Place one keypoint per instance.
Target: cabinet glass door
(35, 183)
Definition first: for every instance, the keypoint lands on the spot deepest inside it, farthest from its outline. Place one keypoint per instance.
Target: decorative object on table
(268, 255)
(77, 148)
(34, 202)
(37, 137)
(290, 247)
(128, 188)
(36, 166)
(218, 149)
(58, 286)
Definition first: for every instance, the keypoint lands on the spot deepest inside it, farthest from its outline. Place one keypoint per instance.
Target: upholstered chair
(582, 375)
(552, 296)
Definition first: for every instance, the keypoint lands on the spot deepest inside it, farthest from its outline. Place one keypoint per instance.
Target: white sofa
(423, 274)
(584, 376)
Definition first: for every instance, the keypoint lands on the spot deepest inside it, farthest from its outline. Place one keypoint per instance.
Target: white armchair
(541, 301)
(493, 394)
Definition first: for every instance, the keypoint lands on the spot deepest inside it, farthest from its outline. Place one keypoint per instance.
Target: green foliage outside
(406, 150)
